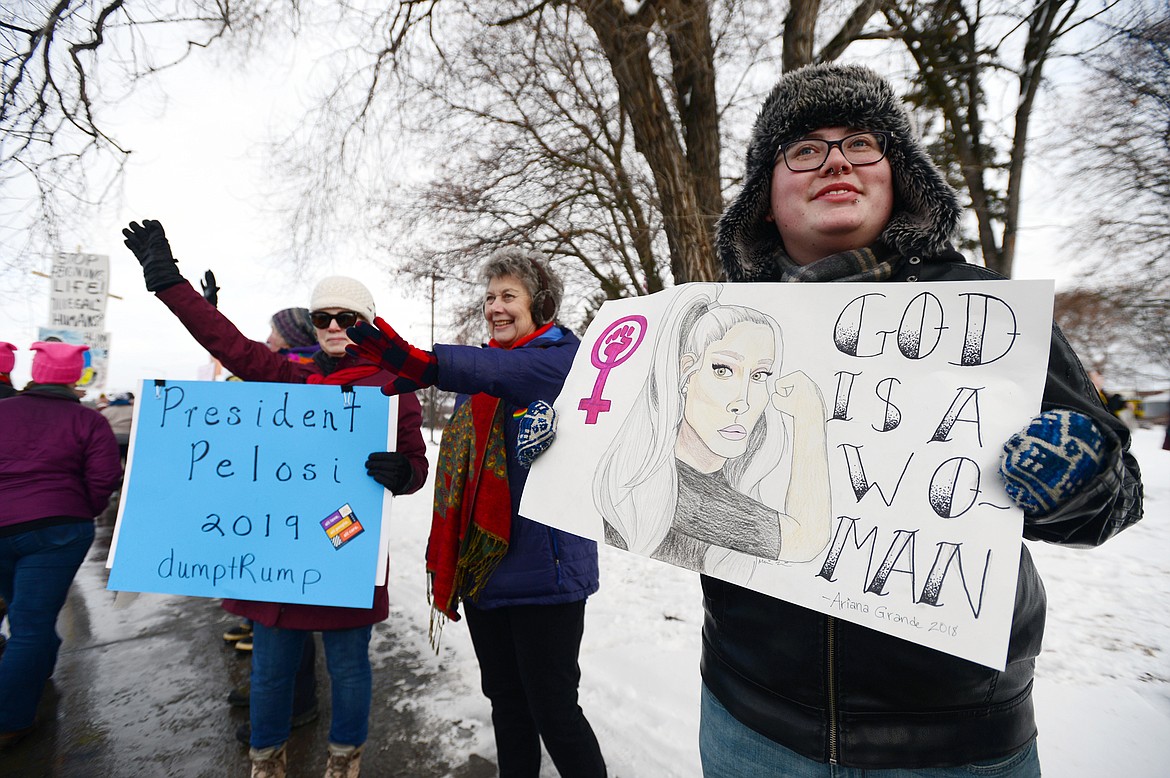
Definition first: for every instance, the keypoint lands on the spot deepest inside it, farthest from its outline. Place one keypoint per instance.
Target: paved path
(142, 691)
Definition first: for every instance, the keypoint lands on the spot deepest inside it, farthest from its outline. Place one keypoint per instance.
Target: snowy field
(1103, 680)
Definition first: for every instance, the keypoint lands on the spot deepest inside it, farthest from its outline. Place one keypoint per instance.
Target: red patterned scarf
(472, 516)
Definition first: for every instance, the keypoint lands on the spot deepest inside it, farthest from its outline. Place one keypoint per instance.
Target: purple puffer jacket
(543, 566)
(253, 361)
(58, 457)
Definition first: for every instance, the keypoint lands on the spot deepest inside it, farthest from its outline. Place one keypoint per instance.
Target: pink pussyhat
(7, 358)
(57, 363)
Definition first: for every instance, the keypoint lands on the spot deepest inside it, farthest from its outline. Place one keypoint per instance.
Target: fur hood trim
(926, 208)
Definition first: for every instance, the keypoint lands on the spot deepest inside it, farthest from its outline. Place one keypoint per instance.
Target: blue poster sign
(254, 491)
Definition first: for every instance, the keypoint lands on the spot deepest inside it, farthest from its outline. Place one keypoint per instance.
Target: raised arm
(807, 518)
(249, 359)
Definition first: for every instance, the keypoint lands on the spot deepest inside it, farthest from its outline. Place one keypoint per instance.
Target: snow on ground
(1103, 680)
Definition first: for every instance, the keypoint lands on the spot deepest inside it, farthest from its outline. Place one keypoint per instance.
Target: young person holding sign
(837, 188)
(523, 585)
(337, 302)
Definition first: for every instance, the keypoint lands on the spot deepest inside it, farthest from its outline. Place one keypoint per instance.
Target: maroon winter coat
(58, 458)
(253, 361)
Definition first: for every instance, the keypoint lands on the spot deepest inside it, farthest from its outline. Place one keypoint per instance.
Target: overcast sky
(198, 166)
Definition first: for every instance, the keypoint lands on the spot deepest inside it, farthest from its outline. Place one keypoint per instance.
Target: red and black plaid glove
(416, 369)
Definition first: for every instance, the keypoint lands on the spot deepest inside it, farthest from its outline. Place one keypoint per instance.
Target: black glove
(210, 290)
(153, 252)
(390, 469)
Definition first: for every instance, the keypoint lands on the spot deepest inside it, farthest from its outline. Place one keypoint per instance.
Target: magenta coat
(58, 458)
(253, 361)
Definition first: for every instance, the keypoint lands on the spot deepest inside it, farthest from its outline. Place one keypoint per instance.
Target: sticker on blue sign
(341, 526)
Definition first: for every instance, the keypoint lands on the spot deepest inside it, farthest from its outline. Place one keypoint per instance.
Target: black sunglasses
(345, 319)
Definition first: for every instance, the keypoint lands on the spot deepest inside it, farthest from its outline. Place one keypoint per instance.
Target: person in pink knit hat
(7, 361)
(58, 467)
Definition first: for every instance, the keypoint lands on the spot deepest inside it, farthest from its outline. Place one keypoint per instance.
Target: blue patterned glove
(538, 429)
(1051, 460)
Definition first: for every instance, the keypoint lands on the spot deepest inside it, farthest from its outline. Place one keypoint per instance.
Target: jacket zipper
(831, 656)
(556, 555)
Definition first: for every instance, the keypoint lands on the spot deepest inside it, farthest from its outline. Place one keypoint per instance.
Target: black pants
(528, 668)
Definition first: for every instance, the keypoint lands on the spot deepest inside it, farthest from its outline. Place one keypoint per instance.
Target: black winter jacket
(835, 691)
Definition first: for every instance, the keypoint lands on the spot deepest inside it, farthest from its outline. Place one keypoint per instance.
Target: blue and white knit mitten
(1051, 460)
(538, 428)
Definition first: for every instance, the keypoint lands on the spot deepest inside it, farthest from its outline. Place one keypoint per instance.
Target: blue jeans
(36, 569)
(276, 655)
(729, 749)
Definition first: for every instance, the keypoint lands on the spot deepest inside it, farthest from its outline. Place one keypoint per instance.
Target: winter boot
(268, 762)
(238, 632)
(241, 696)
(344, 761)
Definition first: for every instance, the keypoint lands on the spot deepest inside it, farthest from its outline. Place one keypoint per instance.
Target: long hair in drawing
(635, 485)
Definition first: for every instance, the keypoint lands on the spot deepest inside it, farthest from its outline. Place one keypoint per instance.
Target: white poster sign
(833, 445)
(77, 311)
(81, 284)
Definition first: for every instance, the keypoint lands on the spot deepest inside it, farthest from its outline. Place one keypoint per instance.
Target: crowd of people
(837, 188)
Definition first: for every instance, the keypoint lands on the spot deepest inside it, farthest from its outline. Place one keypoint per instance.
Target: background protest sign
(843, 443)
(254, 491)
(81, 284)
(97, 359)
(77, 310)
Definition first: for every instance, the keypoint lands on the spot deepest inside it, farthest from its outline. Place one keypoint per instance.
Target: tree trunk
(800, 26)
(688, 33)
(624, 39)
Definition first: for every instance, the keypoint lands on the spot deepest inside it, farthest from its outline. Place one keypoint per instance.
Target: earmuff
(544, 305)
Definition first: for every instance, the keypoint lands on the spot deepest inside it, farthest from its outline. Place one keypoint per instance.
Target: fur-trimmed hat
(294, 326)
(343, 292)
(7, 358)
(926, 208)
(57, 363)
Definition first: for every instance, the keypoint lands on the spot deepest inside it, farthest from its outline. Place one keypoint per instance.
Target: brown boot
(268, 762)
(344, 761)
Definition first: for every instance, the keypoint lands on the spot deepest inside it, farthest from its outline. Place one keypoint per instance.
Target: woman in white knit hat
(280, 629)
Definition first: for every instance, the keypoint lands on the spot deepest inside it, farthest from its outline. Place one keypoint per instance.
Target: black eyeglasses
(344, 319)
(860, 148)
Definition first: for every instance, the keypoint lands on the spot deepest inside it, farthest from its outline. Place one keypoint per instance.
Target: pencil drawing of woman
(720, 456)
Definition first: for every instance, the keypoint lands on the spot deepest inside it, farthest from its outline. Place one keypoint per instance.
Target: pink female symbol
(617, 343)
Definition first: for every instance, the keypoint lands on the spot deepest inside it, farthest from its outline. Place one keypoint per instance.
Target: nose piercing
(832, 171)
